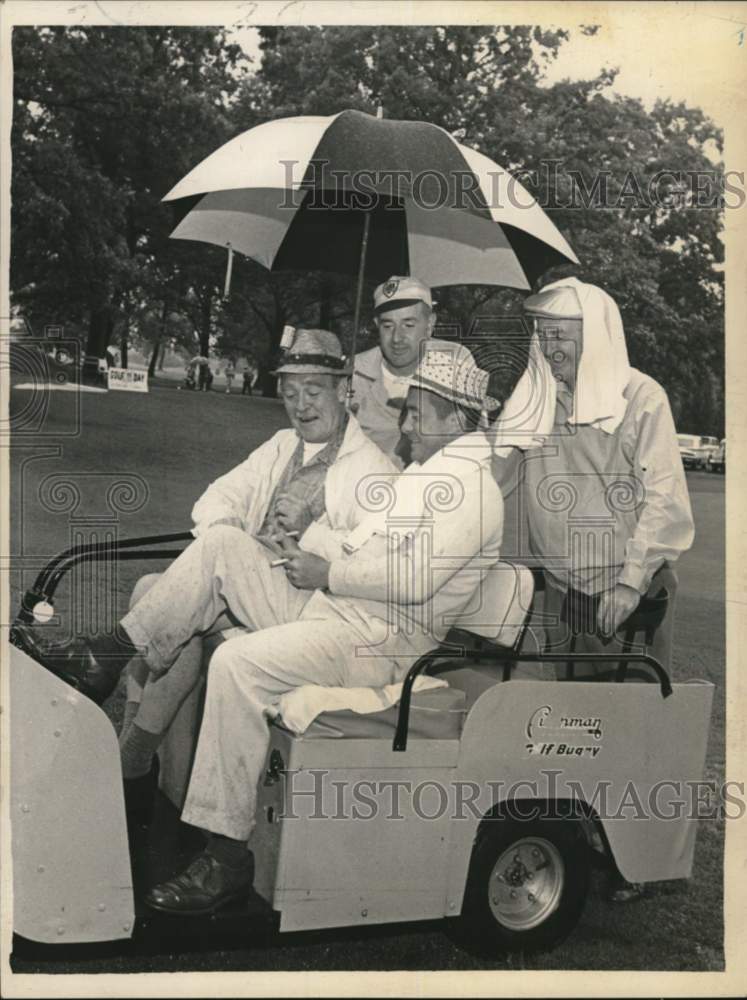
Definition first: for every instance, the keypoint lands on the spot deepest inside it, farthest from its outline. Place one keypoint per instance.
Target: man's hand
(292, 514)
(615, 607)
(304, 570)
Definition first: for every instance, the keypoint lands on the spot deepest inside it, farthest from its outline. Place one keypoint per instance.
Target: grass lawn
(165, 447)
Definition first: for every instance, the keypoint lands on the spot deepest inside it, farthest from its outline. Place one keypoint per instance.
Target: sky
(681, 51)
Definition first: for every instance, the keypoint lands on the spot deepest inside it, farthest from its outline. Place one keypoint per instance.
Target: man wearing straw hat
(405, 319)
(372, 611)
(303, 481)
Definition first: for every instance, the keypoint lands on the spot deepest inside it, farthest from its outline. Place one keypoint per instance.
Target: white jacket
(243, 495)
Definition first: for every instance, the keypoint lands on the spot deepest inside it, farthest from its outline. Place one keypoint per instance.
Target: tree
(96, 158)
(91, 164)
(600, 163)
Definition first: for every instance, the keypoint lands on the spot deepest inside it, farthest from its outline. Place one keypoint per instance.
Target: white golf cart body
(335, 871)
(321, 864)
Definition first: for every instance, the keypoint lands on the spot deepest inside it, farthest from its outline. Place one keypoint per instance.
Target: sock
(116, 650)
(228, 851)
(130, 712)
(137, 750)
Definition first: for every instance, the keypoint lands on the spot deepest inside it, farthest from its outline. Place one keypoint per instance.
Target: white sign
(126, 378)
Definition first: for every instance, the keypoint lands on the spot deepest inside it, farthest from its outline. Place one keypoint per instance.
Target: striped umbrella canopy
(353, 193)
(292, 193)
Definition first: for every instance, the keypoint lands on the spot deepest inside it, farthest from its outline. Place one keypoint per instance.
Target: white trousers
(296, 638)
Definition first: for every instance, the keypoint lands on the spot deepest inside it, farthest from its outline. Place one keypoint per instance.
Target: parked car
(717, 460)
(696, 449)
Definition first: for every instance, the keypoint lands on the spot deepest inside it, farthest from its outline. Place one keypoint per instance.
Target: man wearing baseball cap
(405, 318)
(371, 612)
(303, 480)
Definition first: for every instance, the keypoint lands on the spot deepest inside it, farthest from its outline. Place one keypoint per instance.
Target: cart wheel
(527, 885)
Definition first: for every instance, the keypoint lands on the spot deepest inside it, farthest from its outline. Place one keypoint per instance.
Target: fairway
(134, 465)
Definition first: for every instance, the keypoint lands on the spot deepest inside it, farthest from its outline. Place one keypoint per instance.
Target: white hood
(604, 370)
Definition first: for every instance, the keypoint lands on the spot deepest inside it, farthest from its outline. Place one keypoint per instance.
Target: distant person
(405, 319)
(250, 376)
(230, 372)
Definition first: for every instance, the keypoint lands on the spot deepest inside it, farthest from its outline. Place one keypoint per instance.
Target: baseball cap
(399, 291)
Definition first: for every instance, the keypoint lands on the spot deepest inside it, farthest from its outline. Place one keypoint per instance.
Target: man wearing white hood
(606, 498)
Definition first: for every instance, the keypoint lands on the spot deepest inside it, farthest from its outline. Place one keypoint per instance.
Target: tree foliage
(108, 119)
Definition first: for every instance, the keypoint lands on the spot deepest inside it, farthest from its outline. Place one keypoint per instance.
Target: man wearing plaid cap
(404, 318)
(372, 611)
(303, 480)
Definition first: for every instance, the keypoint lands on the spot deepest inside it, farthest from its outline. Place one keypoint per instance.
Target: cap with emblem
(555, 303)
(456, 376)
(311, 351)
(397, 292)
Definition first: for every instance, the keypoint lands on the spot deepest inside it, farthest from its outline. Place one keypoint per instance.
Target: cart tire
(545, 864)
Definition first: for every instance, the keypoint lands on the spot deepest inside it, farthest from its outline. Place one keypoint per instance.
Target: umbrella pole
(361, 279)
(359, 292)
(229, 271)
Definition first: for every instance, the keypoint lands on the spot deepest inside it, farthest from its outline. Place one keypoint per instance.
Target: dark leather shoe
(73, 662)
(205, 886)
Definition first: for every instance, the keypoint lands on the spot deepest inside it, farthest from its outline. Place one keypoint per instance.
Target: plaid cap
(313, 351)
(396, 292)
(456, 376)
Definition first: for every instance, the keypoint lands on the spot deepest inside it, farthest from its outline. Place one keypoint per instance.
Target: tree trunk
(162, 358)
(99, 331)
(325, 305)
(153, 360)
(205, 328)
(157, 345)
(123, 346)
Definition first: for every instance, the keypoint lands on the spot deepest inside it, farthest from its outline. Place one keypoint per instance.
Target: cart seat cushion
(499, 606)
(435, 714)
(301, 705)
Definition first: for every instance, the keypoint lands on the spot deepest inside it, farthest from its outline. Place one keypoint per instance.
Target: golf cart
(483, 800)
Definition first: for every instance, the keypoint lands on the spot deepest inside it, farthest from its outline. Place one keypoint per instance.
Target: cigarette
(279, 562)
(292, 534)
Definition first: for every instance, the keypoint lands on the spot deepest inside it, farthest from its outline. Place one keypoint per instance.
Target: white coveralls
(606, 499)
(242, 497)
(386, 605)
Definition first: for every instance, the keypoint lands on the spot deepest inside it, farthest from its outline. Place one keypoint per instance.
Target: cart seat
(497, 613)
(434, 715)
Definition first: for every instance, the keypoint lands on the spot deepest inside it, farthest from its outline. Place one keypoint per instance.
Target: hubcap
(526, 883)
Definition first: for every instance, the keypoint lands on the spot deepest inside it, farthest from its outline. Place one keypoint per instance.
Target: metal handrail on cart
(509, 657)
(47, 581)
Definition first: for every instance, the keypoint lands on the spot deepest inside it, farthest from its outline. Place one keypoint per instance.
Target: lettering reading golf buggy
(483, 801)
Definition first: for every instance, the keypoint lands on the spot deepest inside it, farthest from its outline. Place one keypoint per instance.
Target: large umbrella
(353, 193)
